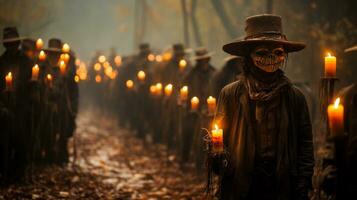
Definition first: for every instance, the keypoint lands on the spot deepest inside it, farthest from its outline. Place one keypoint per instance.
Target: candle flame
(49, 77)
(328, 54)
(9, 74)
(39, 43)
(216, 126)
(337, 102)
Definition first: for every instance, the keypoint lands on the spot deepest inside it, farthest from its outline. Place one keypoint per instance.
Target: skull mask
(268, 58)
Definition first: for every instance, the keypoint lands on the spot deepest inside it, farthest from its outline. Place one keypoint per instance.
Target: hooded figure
(265, 120)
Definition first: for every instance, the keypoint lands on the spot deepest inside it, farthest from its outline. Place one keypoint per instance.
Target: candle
(66, 48)
(330, 65)
(98, 78)
(211, 103)
(129, 84)
(42, 56)
(151, 57)
(35, 71)
(183, 93)
(65, 57)
(49, 80)
(62, 66)
(335, 116)
(158, 89)
(102, 59)
(117, 61)
(167, 56)
(8, 80)
(153, 89)
(97, 66)
(168, 90)
(76, 78)
(141, 75)
(158, 58)
(39, 44)
(182, 64)
(194, 103)
(217, 139)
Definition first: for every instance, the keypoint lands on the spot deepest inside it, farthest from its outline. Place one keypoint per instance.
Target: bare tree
(185, 16)
(195, 26)
(222, 14)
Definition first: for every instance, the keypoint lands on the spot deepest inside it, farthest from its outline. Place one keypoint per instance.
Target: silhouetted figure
(15, 105)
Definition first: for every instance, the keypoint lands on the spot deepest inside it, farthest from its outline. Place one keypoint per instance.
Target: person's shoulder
(232, 88)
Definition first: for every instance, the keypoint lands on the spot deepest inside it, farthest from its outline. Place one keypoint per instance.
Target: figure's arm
(305, 159)
(221, 119)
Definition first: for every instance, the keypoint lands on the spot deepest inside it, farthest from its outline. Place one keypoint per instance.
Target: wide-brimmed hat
(262, 29)
(10, 34)
(351, 49)
(54, 45)
(202, 53)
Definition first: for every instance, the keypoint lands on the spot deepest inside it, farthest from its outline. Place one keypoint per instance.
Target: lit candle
(39, 44)
(42, 56)
(66, 48)
(158, 89)
(217, 139)
(129, 84)
(35, 71)
(49, 80)
(211, 104)
(151, 57)
(8, 80)
(167, 56)
(182, 64)
(335, 116)
(168, 90)
(118, 61)
(76, 78)
(194, 103)
(183, 93)
(330, 66)
(153, 89)
(65, 57)
(97, 66)
(141, 75)
(102, 59)
(98, 78)
(158, 58)
(62, 66)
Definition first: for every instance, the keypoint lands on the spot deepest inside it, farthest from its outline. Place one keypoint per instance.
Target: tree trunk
(228, 25)
(185, 16)
(270, 4)
(195, 26)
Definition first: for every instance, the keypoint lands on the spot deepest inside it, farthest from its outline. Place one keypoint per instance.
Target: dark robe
(292, 160)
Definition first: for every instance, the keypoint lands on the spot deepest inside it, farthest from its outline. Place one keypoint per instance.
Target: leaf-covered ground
(111, 163)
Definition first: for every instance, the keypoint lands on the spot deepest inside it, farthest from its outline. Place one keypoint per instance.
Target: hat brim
(208, 55)
(13, 39)
(244, 47)
(53, 50)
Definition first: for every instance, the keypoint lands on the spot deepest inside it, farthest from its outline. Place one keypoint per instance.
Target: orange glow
(8, 80)
(168, 90)
(66, 48)
(158, 58)
(129, 84)
(118, 61)
(151, 57)
(35, 72)
(42, 56)
(141, 75)
(39, 44)
(330, 65)
(102, 59)
(335, 113)
(97, 66)
(98, 78)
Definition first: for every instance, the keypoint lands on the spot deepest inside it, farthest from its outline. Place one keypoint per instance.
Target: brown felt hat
(202, 53)
(54, 45)
(262, 29)
(10, 34)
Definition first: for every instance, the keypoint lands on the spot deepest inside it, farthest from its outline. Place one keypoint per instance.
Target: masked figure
(267, 129)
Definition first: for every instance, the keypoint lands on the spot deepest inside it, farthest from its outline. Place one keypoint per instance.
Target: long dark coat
(295, 171)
